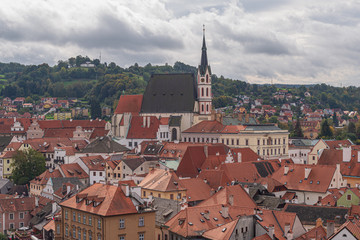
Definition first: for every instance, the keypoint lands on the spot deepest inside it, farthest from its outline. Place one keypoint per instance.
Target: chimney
(330, 227)
(318, 222)
(358, 154)
(53, 207)
(286, 170)
(68, 189)
(239, 157)
(206, 150)
(246, 188)
(290, 235)
(212, 192)
(206, 215)
(271, 231)
(126, 189)
(307, 172)
(144, 122)
(346, 154)
(36, 201)
(148, 122)
(224, 211)
(231, 200)
(286, 229)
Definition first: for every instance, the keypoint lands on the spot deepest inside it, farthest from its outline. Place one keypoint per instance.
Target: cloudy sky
(259, 41)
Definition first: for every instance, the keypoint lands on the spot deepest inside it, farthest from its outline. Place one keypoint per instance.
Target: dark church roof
(169, 93)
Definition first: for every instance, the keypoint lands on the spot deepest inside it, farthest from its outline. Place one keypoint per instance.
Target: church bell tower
(204, 82)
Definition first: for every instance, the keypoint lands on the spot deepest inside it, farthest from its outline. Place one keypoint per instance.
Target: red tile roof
(94, 163)
(333, 144)
(111, 198)
(240, 198)
(137, 129)
(195, 157)
(129, 104)
(247, 154)
(353, 226)
(206, 126)
(215, 178)
(318, 181)
(196, 189)
(162, 181)
(73, 170)
(13, 205)
(222, 232)
(317, 233)
(43, 178)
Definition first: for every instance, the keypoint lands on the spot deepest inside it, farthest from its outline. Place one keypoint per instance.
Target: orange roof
(129, 104)
(353, 226)
(240, 198)
(161, 180)
(137, 129)
(48, 144)
(73, 170)
(247, 154)
(94, 163)
(318, 181)
(222, 232)
(262, 237)
(215, 178)
(333, 144)
(50, 225)
(59, 132)
(196, 189)
(43, 178)
(17, 204)
(111, 198)
(14, 145)
(355, 210)
(233, 128)
(131, 183)
(316, 233)
(113, 163)
(206, 126)
(164, 121)
(193, 220)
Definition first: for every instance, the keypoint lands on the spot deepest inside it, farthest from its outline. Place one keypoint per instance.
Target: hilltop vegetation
(106, 82)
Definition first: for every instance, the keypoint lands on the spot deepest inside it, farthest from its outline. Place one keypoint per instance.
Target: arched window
(207, 92)
(202, 107)
(202, 92)
(207, 107)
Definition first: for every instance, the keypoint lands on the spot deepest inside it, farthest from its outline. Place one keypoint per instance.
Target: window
(172, 196)
(84, 219)
(21, 215)
(179, 196)
(130, 144)
(84, 234)
(100, 174)
(122, 237)
(122, 223)
(66, 230)
(258, 142)
(57, 228)
(21, 225)
(90, 235)
(348, 197)
(247, 142)
(74, 216)
(79, 233)
(94, 173)
(11, 226)
(99, 223)
(141, 236)
(99, 237)
(79, 218)
(74, 232)
(141, 222)
(90, 220)
(11, 216)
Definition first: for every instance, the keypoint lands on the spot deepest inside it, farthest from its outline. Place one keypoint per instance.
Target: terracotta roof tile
(129, 104)
(206, 126)
(94, 163)
(111, 198)
(196, 189)
(215, 178)
(316, 233)
(43, 178)
(219, 233)
(73, 170)
(17, 204)
(230, 196)
(247, 154)
(138, 130)
(161, 180)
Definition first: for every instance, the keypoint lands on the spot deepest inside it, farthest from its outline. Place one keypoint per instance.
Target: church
(171, 102)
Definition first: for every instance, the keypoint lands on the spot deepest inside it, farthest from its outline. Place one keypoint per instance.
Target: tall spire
(204, 60)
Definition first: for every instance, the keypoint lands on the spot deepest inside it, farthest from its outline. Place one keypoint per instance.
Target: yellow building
(38, 183)
(267, 140)
(62, 116)
(162, 184)
(7, 159)
(113, 171)
(103, 212)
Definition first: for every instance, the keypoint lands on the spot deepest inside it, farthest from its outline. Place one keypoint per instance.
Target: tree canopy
(27, 164)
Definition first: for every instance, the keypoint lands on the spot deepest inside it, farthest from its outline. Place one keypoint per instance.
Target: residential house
(350, 197)
(310, 183)
(94, 166)
(38, 183)
(103, 146)
(299, 150)
(348, 231)
(55, 184)
(15, 213)
(107, 212)
(316, 151)
(74, 170)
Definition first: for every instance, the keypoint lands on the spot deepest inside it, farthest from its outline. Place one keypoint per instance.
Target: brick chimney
(206, 151)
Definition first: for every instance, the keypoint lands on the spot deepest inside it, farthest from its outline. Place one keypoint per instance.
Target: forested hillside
(106, 82)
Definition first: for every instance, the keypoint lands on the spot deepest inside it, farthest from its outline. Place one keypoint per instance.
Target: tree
(27, 165)
(351, 128)
(297, 130)
(95, 109)
(335, 120)
(325, 131)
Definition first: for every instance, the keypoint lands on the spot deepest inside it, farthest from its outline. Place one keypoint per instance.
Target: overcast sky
(259, 41)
